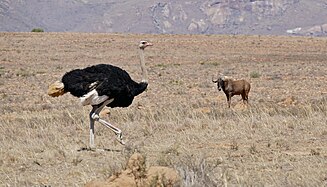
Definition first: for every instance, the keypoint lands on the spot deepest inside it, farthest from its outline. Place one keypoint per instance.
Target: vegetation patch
(37, 30)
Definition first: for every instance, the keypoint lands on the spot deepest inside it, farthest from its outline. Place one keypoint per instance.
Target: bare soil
(181, 121)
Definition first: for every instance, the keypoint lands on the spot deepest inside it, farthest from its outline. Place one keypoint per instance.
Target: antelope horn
(223, 77)
(215, 81)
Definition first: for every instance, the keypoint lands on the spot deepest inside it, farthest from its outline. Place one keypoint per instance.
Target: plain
(181, 121)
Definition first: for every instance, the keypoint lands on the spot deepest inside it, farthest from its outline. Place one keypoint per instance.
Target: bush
(37, 30)
(254, 74)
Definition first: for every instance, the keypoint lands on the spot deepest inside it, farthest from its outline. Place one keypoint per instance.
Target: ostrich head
(144, 44)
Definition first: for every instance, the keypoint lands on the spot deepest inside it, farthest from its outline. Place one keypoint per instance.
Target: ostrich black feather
(106, 79)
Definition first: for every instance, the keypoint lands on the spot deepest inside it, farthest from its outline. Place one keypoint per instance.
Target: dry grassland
(182, 121)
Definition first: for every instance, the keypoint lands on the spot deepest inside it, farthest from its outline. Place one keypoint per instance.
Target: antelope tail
(56, 89)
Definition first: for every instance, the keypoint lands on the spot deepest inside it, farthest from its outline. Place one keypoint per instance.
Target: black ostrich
(102, 85)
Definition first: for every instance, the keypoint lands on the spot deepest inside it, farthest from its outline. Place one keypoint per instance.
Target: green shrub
(37, 30)
(255, 74)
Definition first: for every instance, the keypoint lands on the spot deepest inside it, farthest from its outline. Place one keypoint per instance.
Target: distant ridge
(267, 17)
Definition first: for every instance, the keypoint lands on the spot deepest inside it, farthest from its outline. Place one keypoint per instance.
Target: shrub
(37, 30)
(255, 74)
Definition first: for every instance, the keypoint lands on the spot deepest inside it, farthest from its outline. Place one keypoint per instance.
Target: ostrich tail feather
(56, 89)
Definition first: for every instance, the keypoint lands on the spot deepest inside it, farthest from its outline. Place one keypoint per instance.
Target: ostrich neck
(143, 68)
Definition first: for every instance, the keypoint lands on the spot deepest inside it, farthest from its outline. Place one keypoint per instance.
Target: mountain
(273, 17)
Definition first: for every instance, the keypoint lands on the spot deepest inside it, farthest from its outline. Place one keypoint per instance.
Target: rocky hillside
(278, 17)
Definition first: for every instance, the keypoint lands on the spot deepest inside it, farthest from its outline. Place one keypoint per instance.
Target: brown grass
(182, 121)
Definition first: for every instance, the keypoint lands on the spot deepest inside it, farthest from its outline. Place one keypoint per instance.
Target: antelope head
(219, 81)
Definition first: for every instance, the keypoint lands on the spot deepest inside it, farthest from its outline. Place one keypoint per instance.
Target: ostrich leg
(117, 131)
(92, 127)
(94, 116)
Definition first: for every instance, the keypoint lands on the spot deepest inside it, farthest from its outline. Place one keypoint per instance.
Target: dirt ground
(181, 121)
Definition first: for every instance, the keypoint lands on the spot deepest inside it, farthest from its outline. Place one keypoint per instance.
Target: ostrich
(102, 85)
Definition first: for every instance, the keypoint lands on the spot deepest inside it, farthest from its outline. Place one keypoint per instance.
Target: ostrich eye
(143, 42)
